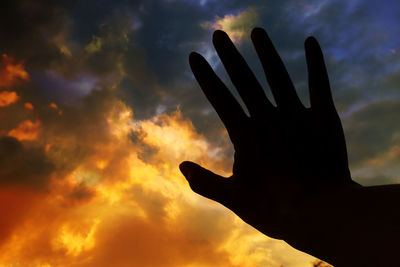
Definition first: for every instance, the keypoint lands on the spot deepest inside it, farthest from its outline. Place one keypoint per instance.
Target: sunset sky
(98, 107)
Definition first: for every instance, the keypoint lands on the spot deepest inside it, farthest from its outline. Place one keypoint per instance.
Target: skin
(290, 177)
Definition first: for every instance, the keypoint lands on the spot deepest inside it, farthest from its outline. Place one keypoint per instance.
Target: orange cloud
(29, 106)
(7, 98)
(11, 72)
(236, 26)
(53, 105)
(118, 198)
(26, 130)
(15, 205)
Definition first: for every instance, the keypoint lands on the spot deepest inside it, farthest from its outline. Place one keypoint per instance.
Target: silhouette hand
(290, 166)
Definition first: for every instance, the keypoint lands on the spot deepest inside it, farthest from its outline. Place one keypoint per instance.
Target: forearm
(363, 229)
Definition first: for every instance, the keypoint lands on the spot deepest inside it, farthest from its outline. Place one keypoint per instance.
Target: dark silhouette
(290, 178)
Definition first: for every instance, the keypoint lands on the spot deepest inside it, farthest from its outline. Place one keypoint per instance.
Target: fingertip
(260, 39)
(219, 36)
(311, 39)
(194, 55)
(196, 61)
(311, 42)
(256, 32)
(185, 167)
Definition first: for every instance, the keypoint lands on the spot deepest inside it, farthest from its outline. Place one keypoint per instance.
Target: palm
(280, 161)
(282, 153)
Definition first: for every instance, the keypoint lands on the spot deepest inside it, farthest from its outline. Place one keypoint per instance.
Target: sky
(98, 107)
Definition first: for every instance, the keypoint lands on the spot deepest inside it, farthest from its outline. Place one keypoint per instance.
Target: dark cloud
(358, 39)
(146, 152)
(23, 165)
(80, 194)
(169, 41)
(79, 132)
(371, 129)
(391, 82)
(30, 30)
(106, 50)
(156, 60)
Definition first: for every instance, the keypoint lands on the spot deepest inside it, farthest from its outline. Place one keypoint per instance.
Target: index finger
(224, 103)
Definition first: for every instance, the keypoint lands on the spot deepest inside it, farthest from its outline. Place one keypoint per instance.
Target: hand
(290, 166)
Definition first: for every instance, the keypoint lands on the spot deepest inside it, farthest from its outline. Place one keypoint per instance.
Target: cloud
(95, 45)
(41, 25)
(29, 106)
(364, 141)
(372, 141)
(11, 72)
(371, 177)
(26, 130)
(23, 165)
(137, 241)
(16, 204)
(105, 205)
(236, 26)
(104, 242)
(357, 45)
(59, 88)
(174, 138)
(7, 98)
(200, 3)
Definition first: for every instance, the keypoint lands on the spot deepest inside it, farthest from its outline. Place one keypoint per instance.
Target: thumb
(205, 182)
